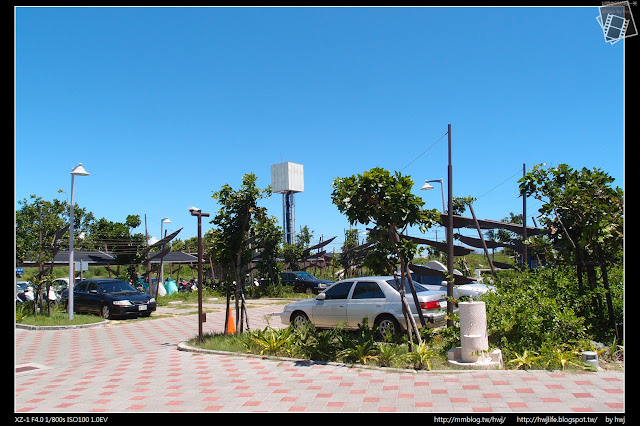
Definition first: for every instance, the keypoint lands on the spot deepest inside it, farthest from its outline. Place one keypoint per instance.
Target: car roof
(380, 277)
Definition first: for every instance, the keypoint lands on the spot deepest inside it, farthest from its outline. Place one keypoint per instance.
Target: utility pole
(525, 263)
(201, 316)
(450, 238)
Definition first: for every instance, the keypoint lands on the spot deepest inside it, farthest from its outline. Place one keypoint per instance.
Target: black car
(304, 282)
(110, 298)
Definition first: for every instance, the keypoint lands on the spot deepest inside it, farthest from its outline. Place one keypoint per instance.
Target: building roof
(173, 257)
(91, 257)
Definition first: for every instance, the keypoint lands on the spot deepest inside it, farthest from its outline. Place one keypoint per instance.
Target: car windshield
(116, 287)
(305, 276)
(407, 287)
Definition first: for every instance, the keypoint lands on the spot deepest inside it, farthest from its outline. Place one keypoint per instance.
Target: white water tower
(287, 178)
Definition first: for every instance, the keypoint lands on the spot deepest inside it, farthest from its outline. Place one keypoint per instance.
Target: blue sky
(164, 105)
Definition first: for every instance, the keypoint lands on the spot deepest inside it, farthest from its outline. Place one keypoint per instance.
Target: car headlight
(152, 300)
(122, 303)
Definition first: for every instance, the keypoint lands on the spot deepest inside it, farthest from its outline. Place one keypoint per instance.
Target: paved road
(131, 366)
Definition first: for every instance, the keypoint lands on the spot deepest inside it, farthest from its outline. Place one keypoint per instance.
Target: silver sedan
(348, 301)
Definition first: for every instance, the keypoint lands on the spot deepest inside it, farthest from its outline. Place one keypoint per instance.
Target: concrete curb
(60, 327)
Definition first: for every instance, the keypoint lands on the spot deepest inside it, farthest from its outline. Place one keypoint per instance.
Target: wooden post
(484, 245)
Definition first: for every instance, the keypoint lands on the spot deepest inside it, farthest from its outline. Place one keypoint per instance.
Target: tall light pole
(450, 237)
(76, 171)
(427, 187)
(201, 317)
(162, 222)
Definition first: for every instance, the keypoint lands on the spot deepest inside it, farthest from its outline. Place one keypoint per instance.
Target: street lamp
(76, 171)
(201, 317)
(427, 187)
(162, 222)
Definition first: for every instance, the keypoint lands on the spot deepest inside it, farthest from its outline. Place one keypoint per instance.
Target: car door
(287, 278)
(331, 310)
(367, 299)
(79, 301)
(93, 297)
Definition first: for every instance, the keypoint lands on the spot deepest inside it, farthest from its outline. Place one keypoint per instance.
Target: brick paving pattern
(136, 367)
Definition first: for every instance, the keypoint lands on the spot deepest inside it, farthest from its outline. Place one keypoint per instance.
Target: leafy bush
(336, 344)
(421, 355)
(272, 341)
(539, 319)
(318, 345)
(537, 309)
(359, 347)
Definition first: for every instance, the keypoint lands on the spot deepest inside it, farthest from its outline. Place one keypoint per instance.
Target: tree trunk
(593, 283)
(406, 310)
(605, 282)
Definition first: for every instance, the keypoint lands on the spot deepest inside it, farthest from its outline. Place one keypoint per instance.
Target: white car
(348, 301)
(24, 291)
(465, 291)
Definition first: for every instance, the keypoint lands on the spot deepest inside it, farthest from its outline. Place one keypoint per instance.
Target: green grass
(57, 318)
(220, 342)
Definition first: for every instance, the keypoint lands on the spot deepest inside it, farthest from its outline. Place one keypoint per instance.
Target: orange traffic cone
(231, 328)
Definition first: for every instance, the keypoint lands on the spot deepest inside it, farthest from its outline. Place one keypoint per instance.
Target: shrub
(536, 308)
(273, 342)
(359, 347)
(318, 345)
(421, 355)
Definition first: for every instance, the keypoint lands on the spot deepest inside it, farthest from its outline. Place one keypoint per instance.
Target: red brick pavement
(135, 367)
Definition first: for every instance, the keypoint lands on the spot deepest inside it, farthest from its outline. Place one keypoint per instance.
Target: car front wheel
(387, 325)
(105, 312)
(299, 319)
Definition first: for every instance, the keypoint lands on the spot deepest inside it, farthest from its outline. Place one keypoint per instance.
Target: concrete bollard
(473, 331)
(473, 351)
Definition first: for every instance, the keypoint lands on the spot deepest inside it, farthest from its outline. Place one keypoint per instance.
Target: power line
(502, 183)
(425, 151)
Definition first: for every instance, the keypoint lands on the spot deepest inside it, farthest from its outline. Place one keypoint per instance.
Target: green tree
(385, 200)
(295, 253)
(118, 239)
(347, 257)
(584, 215)
(233, 233)
(291, 254)
(39, 220)
(460, 204)
(268, 236)
(303, 238)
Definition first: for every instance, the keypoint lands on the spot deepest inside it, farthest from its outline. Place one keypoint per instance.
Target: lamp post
(162, 222)
(427, 187)
(450, 235)
(76, 171)
(201, 317)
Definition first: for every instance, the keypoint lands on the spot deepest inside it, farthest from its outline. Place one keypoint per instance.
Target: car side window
(367, 290)
(339, 291)
(80, 287)
(92, 286)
